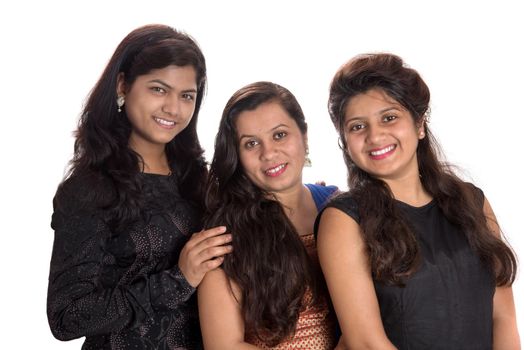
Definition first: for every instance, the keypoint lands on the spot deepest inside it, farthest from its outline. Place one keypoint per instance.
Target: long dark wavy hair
(102, 157)
(269, 262)
(391, 245)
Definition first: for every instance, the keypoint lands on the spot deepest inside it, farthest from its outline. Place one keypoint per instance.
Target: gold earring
(307, 160)
(120, 102)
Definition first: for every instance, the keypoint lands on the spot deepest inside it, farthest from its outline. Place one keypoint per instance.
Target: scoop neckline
(422, 207)
(155, 174)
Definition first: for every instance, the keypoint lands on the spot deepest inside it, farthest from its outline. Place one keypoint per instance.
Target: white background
(469, 53)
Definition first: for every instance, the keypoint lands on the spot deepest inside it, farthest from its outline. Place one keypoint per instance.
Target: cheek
(250, 168)
(136, 107)
(299, 146)
(411, 135)
(247, 161)
(189, 111)
(300, 150)
(187, 121)
(131, 114)
(351, 145)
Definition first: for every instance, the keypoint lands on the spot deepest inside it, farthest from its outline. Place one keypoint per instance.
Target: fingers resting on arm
(203, 252)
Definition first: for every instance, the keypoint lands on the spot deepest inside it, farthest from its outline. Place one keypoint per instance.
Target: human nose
(171, 105)
(375, 134)
(268, 150)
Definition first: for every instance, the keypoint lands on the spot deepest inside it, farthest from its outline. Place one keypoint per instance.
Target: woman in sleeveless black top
(412, 255)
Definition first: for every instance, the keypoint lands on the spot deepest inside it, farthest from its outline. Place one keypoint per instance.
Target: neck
(291, 199)
(410, 191)
(299, 207)
(154, 158)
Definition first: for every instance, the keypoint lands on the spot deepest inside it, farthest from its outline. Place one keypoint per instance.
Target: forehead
(176, 76)
(369, 103)
(263, 119)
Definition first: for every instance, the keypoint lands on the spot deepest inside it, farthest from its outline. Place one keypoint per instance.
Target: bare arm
(344, 262)
(220, 314)
(505, 332)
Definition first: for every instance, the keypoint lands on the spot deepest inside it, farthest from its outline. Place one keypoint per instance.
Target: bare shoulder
(215, 276)
(344, 261)
(340, 244)
(491, 219)
(336, 225)
(214, 280)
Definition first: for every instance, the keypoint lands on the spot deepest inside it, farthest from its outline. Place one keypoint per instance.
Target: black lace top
(123, 291)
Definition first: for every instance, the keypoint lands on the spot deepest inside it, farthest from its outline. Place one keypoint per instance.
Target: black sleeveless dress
(448, 302)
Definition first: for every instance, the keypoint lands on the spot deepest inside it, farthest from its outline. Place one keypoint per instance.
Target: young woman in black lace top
(125, 261)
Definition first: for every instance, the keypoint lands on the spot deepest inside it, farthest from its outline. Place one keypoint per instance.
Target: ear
(305, 140)
(421, 132)
(120, 85)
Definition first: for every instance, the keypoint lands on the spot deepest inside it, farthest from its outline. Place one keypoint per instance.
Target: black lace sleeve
(91, 291)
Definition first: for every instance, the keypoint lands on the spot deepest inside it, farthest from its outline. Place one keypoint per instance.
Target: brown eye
(188, 97)
(356, 127)
(158, 89)
(279, 135)
(389, 118)
(250, 144)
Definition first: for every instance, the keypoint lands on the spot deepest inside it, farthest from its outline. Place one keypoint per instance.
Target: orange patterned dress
(315, 328)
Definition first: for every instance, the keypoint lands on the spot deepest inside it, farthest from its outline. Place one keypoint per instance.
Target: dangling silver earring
(307, 160)
(120, 102)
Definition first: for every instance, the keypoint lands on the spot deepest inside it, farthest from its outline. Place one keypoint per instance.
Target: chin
(166, 140)
(279, 188)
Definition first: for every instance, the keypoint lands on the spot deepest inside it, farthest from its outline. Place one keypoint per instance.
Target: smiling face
(381, 136)
(272, 148)
(159, 105)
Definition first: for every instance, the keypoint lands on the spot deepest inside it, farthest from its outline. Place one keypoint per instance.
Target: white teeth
(164, 122)
(276, 169)
(382, 151)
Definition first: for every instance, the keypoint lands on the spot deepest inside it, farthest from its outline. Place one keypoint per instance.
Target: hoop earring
(341, 144)
(120, 100)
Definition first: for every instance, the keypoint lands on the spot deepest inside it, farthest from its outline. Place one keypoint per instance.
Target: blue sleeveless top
(321, 194)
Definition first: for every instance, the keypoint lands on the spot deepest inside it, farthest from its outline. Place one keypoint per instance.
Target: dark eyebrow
(166, 85)
(351, 119)
(382, 111)
(389, 109)
(158, 81)
(244, 137)
(280, 125)
(272, 129)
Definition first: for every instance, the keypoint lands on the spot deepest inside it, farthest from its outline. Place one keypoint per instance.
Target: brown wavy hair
(269, 261)
(391, 245)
